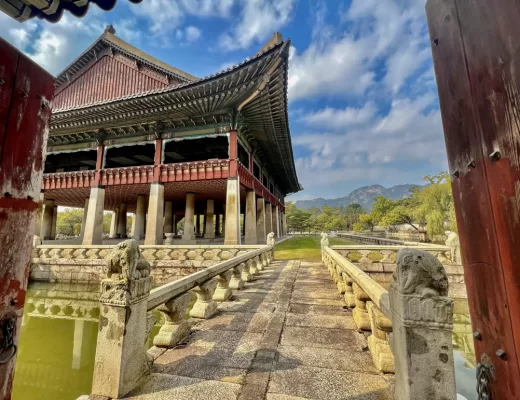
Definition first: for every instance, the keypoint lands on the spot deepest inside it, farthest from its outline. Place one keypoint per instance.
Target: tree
(68, 222)
(366, 221)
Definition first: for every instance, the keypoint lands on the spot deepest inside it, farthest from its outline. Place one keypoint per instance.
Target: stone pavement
(286, 336)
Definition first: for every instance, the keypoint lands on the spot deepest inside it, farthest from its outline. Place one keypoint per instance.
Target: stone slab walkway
(286, 336)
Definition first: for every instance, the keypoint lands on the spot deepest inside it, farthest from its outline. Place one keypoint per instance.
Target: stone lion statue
(270, 239)
(324, 240)
(126, 262)
(420, 273)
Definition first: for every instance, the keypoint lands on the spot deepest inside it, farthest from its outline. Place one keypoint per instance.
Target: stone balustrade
(127, 300)
(83, 264)
(379, 262)
(411, 322)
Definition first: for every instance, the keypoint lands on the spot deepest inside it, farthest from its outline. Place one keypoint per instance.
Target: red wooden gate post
(476, 55)
(25, 93)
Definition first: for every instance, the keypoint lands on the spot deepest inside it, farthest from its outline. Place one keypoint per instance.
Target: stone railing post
(422, 323)
(349, 291)
(246, 274)
(324, 242)
(360, 312)
(252, 267)
(176, 328)
(271, 242)
(121, 358)
(205, 306)
(265, 260)
(342, 288)
(236, 282)
(223, 291)
(378, 342)
(258, 263)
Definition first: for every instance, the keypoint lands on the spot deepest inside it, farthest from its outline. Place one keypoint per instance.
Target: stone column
(197, 225)
(232, 212)
(121, 223)
(260, 219)
(422, 323)
(250, 218)
(94, 226)
(84, 220)
(175, 222)
(154, 224)
(210, 227)
(140, 217)
(168, 217)
(277, 221)
(121, 359)
(217, 224)
(132, 228)
(48, 213)
(224, 222)
(113, 224)
(268, 218)
(189, 233)
(54, 222)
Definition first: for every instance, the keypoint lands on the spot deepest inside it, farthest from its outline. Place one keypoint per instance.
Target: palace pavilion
(132, 134)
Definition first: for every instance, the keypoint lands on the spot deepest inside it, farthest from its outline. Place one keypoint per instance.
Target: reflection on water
(59, 334)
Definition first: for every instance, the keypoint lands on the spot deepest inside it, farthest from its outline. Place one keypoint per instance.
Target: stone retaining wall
(84, 264)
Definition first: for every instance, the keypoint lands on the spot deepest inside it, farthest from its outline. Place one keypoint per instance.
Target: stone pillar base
(222, 294)
(350, 299)
(246, 274)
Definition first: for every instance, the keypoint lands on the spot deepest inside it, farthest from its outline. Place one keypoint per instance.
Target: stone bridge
(279, 330)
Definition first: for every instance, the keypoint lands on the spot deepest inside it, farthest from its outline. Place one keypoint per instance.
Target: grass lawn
(305, 248)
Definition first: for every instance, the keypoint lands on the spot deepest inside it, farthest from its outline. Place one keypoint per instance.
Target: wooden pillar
(25, 92)
(157, 160)
(477, 65)
(233, 153)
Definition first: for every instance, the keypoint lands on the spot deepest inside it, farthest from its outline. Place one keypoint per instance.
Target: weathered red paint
(477, 64)
(24, 116)
(233, 153)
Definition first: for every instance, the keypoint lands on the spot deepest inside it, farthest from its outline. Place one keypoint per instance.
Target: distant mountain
(364, 196)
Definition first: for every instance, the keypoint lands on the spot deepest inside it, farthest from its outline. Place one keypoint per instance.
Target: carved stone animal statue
(324, 240)
(126, 262)
(270, 239)
(419, 273)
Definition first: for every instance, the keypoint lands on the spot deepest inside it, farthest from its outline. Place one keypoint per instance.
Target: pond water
(59, 334)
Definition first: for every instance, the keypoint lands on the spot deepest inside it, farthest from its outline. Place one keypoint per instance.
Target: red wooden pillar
(233, 154)
(477, 63)
(99, 164)
(157, 160)
(25, 91)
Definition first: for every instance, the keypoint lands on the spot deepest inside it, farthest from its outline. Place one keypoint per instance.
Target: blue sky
(363, 101)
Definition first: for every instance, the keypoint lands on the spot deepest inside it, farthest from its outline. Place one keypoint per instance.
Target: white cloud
(409, 133)
(334, 118)
(259, 19)
(389, 37)
(128, 30)
(165, 17)
(193, 33)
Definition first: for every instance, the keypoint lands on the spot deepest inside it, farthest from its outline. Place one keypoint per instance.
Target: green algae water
(59, 334)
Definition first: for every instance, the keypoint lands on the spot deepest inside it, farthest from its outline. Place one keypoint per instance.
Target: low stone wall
(379, 262)
(84, 264)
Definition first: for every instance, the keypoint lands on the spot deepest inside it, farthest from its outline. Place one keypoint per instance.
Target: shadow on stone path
(285, 336)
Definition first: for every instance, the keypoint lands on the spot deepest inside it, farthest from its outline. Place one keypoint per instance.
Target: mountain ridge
(364, 195)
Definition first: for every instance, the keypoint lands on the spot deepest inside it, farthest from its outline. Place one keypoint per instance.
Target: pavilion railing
(121, 358)
(126, 175)
(250, 181)
(62, 180)
(194, 171)
(410, 323)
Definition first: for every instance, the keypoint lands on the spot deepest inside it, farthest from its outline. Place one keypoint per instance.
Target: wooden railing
(73, 179)
(195, 171)
(415, 307)
(126, 175)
